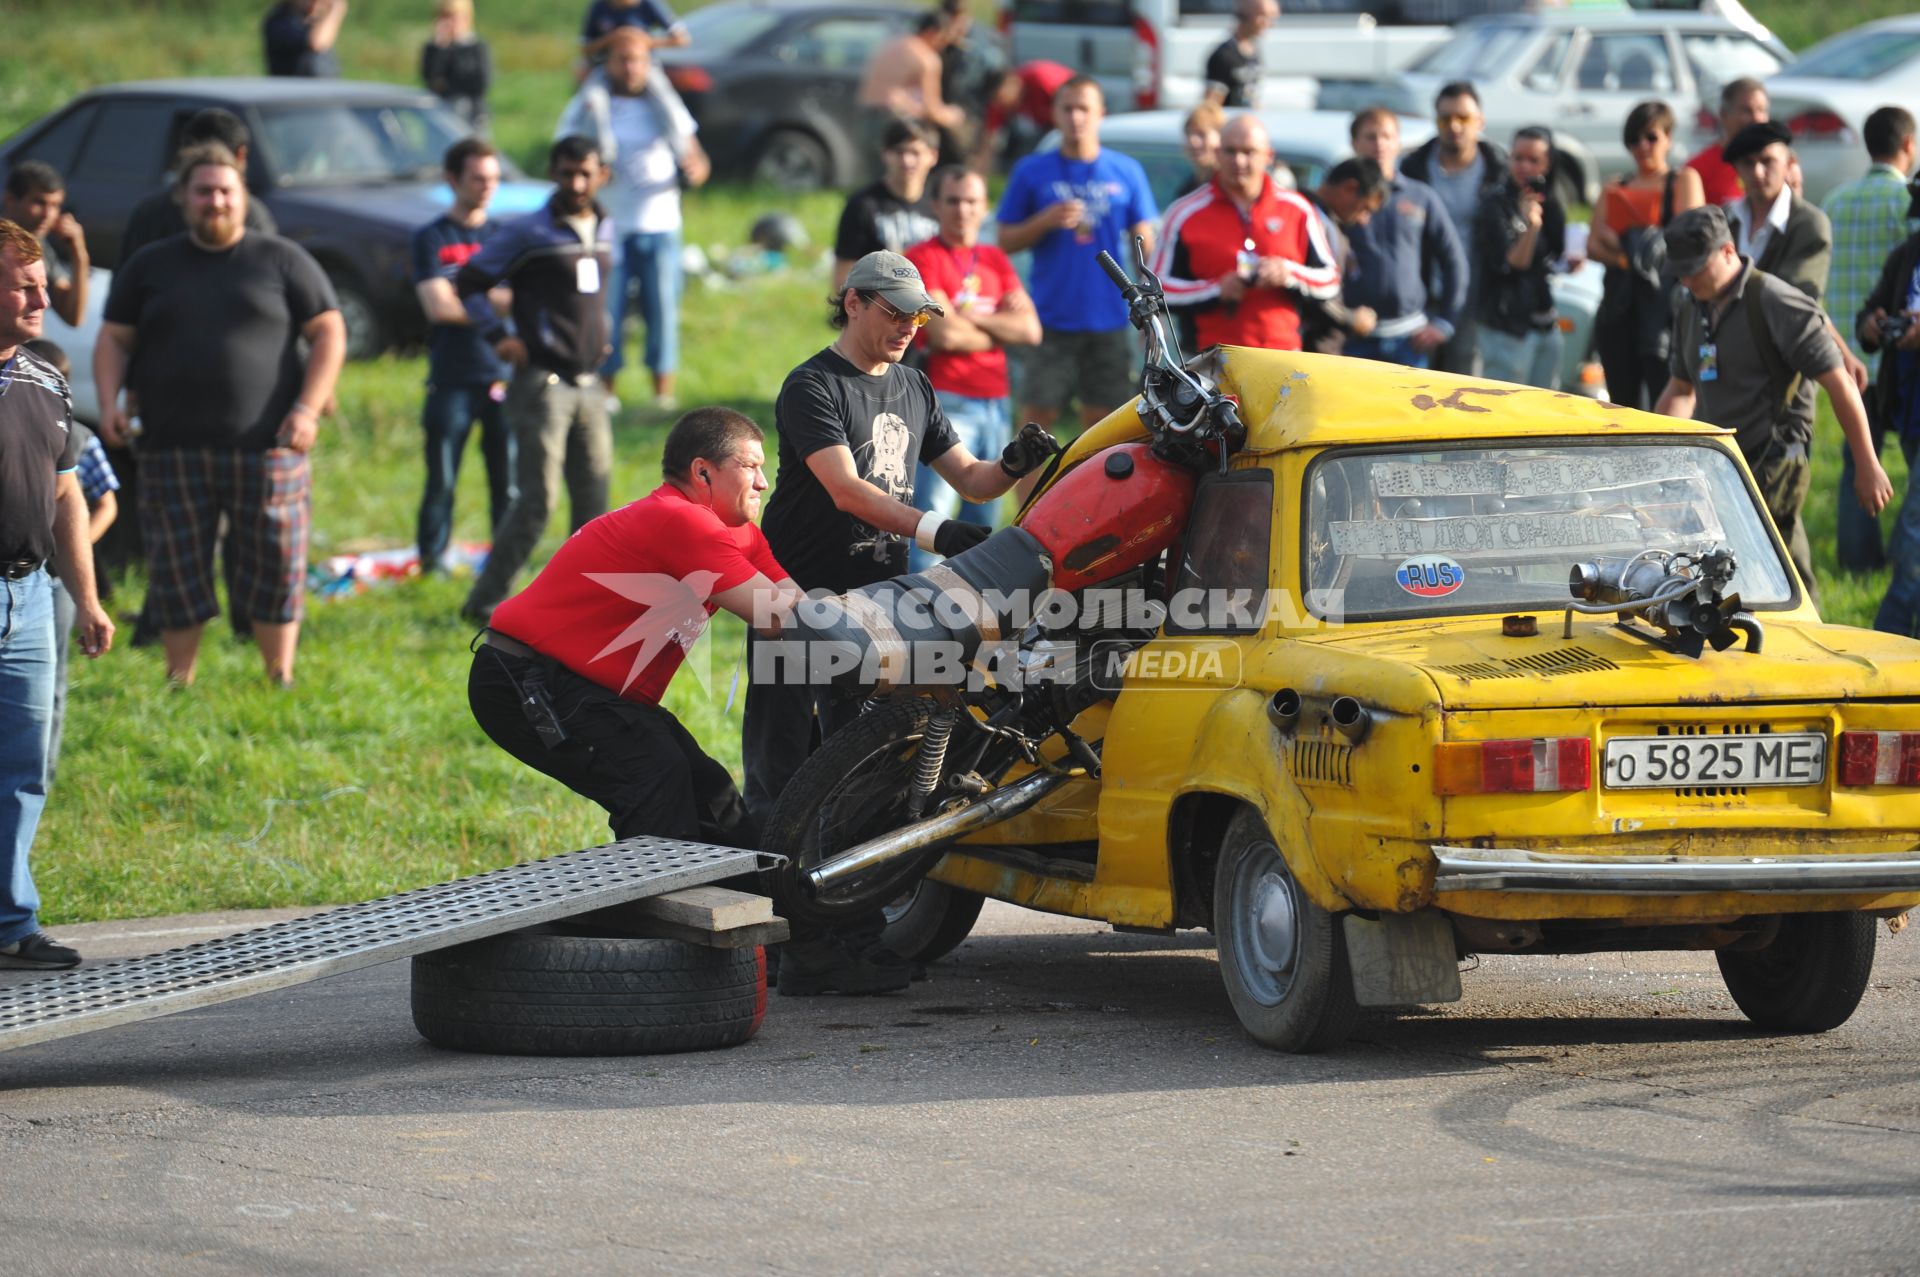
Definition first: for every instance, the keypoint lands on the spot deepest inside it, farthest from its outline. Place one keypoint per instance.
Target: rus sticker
(1430, 576)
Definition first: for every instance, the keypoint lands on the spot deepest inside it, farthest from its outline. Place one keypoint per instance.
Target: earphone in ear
(707, 476)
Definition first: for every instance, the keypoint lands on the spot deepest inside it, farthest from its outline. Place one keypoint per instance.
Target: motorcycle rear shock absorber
(932, 757)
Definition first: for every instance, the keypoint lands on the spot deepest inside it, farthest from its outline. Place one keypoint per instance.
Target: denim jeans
(984, 426)
(26, 722)
(649, 267)
(447, 418)
(1900, 610)
(1857, 533)
(1387, 350)
(1531, 360)
(65, 614)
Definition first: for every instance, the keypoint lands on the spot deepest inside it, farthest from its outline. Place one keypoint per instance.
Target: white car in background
(1826, 95)
(1579, 72)
(78, 343)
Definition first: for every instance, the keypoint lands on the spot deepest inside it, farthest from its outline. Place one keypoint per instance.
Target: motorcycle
(949, 746)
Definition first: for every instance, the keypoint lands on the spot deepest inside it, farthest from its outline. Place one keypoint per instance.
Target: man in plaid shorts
(204, 329)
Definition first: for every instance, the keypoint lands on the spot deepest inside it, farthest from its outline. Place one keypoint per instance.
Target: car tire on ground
(1282, 957)
(793, 161)
(365, 336)
(929, 920)
(1809, 979)
(535, 993)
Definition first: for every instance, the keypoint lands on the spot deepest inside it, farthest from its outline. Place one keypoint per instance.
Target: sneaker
(813, 967)
(38, 951)
(666, 403)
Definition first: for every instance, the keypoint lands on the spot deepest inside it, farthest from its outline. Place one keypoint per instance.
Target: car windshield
(1476, 51)
(346, 142)
(724, 28)
(1391, 534)
(1859, 55)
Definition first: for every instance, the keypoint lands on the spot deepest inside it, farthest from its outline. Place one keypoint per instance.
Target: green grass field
(370, 776)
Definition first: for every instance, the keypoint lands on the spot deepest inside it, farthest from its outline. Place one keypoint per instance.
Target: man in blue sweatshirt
(1409, 243)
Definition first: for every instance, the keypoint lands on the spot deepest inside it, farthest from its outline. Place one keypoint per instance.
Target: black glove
(1032, 448)
(953, 536)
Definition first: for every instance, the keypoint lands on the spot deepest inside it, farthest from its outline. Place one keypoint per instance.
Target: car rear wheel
(1282, 957)
(1810, 978)
(793, 161)
(365, 337)
(929, 920)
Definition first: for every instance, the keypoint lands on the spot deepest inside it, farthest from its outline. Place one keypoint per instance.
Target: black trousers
(1635, 374)
(635, 760)
(781, 726)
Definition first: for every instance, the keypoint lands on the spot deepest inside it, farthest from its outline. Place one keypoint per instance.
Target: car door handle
(1579, 108)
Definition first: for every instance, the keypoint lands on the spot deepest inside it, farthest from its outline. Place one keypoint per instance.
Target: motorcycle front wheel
(853, 788)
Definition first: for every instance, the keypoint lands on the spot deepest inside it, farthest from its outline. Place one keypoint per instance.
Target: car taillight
(689, 79)
(1146, 65)
(1880, 758)
(1557, 765)
(1823, 126)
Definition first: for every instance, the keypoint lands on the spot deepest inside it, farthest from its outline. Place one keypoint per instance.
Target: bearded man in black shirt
(853, 425)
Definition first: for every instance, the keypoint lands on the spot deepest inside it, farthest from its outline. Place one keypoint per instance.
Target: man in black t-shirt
(299, 36)
(1233, 69)
(42, 511)
(894, 213)
(853, 427)
(203, 329)
(466, 380)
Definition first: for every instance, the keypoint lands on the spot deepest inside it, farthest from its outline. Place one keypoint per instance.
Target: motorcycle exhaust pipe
(933, 831)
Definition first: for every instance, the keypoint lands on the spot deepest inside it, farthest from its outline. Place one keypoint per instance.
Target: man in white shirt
(648, 143)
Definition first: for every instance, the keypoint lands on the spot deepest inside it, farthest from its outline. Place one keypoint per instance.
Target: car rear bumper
(1506, 869)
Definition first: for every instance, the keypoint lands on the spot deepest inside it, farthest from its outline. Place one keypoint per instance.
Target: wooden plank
(707, 908)
(759, 933)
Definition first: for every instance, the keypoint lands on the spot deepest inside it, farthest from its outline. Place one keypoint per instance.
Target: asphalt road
(1055, 1099)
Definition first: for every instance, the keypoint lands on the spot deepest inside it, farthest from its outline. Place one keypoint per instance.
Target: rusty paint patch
(1457, 403)
(1083, 556)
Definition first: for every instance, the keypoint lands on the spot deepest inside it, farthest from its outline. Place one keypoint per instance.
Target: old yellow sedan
(1449, 667)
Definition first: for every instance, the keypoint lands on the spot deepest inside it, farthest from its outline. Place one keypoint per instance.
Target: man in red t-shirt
(569, 674)
(1236, 254)
(1742, 102)
(987, 310)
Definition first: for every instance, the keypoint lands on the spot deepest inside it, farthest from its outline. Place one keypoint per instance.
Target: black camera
(1893, 327)
(1538, 185)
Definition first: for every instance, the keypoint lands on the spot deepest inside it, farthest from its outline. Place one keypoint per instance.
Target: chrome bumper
(1507, 869)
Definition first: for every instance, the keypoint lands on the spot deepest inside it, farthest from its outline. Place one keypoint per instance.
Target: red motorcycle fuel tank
(1111, 513)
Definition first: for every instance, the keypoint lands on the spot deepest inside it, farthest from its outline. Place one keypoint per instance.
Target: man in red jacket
(1237, 252)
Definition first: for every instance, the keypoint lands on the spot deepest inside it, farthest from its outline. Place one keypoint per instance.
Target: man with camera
(1518, 235)
(1747, 352)
(1888, 327)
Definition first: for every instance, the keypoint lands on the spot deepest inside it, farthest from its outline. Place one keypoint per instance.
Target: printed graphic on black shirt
(890, 423)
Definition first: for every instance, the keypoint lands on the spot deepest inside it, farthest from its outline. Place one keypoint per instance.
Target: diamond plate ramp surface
(62, 1004)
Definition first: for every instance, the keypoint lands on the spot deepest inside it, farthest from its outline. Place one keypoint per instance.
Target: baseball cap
(894, 278)
(1695, 236)
(1755, 138)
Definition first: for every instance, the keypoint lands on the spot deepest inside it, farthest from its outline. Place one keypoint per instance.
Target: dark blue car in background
(348, 170)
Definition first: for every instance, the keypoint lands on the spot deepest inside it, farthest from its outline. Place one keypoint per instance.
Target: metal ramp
(61, 1004)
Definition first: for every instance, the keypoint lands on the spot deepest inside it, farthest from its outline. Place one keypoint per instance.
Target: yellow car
(1413, 747)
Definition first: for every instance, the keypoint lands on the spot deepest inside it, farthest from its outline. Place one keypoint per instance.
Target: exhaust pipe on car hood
(924, 835)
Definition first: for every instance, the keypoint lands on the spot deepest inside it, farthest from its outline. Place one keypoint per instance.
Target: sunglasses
(918, 318)
(1460, 119)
